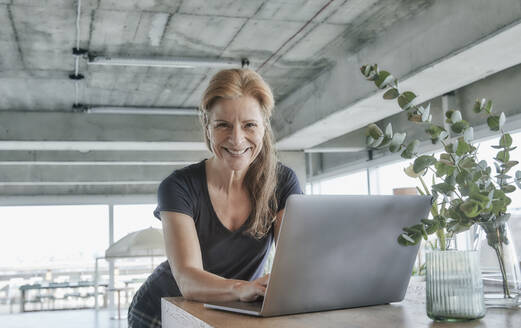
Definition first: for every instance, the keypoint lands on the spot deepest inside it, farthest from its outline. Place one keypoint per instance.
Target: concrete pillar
(111, 262)
(297, 161)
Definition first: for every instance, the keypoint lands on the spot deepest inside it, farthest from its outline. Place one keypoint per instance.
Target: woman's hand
(249, 291)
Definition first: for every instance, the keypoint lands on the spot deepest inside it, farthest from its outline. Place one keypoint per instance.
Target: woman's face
(236, 130)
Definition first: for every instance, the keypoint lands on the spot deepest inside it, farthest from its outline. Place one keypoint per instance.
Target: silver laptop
(337, 252)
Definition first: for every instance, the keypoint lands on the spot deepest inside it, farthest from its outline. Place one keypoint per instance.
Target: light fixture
(142, 110)
(173, 62)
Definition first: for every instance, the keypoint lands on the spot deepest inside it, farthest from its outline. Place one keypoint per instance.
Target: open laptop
(337, 252)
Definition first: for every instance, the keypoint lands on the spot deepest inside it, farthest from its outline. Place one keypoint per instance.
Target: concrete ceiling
(308, 51)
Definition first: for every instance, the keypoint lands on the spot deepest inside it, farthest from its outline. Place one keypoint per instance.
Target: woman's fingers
(250, 291)
(264, 279)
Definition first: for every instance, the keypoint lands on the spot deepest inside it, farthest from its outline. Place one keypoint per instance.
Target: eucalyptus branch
(480, 197)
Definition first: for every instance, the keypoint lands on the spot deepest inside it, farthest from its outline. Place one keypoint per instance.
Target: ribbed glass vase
(454, 287)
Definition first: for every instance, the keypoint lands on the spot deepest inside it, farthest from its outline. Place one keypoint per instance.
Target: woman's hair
(261, 177)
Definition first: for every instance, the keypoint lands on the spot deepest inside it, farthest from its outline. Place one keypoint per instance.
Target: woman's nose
(237, 135)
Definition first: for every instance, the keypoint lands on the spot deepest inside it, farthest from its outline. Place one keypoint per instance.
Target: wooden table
(410, 313)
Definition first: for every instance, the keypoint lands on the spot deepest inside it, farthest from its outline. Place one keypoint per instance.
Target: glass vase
(454, 287)
(499, 264)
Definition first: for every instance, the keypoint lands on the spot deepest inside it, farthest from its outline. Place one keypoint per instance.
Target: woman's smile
(237, 152)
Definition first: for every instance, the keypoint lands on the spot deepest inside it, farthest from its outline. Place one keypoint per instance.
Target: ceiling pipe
(173, 62)
(77, 53)
(193, 111)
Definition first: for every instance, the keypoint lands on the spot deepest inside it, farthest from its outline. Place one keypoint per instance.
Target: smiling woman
(220, 216)
(241, 103)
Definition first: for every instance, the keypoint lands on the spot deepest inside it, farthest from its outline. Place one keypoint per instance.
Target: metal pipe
(77, 59)
(76, 89)
(175, 62)
(193, 111)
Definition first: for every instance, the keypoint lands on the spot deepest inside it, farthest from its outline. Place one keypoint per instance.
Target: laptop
(338, 252)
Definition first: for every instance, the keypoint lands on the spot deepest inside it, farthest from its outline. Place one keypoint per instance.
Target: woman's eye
(221, 125)
(251, 125)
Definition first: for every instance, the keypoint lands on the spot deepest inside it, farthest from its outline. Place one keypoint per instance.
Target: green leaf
(370, 71)
(508, 165)
(488, 106)
(448, 114)
(505, 141)
(405, 99)
(425, 113)
(397, 142)
(389, 130)
(365, 69)
(430, 226)
(500, 201)
(468, 135)
(391, 94)
(508, 188)
(383, 79)
(443, 169)
(477, 107)
(414, 117)
(467, 163)
(456, 227)
(518, 179)
(422, 162)
(374, 131)
(502, 120)
(470, 208)
(460, 126)
(411, 149)
(436, 132)
(480, 197)
(493, 122)
(405, 240)
(443, 188)
(455, 116)
(463, 147)
(503, 156)
(449, 148)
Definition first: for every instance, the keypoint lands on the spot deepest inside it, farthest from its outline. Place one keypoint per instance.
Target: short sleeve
(174, 195)
(287, 185)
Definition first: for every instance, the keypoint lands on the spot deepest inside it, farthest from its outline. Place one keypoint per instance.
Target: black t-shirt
(229, 254)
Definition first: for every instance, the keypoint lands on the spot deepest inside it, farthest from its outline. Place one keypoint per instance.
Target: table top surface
(408, 313)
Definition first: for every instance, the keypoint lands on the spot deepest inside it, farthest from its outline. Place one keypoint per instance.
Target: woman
(221, 215)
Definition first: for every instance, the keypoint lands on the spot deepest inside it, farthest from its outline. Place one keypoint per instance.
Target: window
(45, 237)
(350, 184)
(391, 176)
(130, 218)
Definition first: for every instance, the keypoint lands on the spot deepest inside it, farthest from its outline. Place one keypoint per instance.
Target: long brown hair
(261, 177)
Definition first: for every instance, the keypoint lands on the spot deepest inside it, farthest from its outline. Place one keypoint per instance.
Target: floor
(62, 319)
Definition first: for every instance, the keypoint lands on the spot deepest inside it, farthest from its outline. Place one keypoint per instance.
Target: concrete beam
(83, 174)
(86, 132)
(38, 157)
(78, 127)
(502, 88)
(437, 51)
(39, 200)
(351, 142)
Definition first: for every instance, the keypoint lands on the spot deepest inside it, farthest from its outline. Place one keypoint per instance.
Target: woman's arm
(184, 256)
